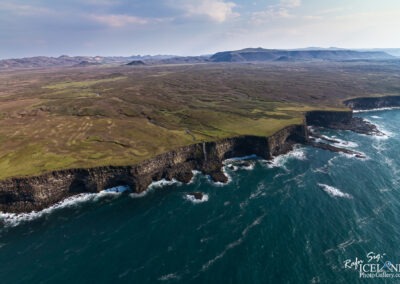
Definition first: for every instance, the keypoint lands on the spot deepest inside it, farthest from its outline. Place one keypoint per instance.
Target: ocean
(302, 218)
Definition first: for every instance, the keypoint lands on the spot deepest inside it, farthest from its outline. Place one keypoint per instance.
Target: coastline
(26, 194)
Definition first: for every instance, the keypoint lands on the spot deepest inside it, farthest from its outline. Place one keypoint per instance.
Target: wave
(233, 244)
(234, 168)
(341, 143)
(375, 109)
(230, 163)
(249, 157)
(14, 219)
(376, 117)
(155, 185)
(169, 277)
(298, 153)
(194, 200)
(333, 191)
(386, 134)
(195, 175)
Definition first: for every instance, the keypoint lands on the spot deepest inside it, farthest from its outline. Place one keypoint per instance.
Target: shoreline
(35, 193)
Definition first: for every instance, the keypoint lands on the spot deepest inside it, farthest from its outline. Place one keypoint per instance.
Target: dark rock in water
(358, 125)
(244, 164)
(219, 177)
(185, 177)
(136, 63)
(314, 135)
(196, 195)
(231, 167)
(331, 148)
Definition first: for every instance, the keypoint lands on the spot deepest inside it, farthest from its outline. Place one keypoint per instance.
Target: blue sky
(191, 27)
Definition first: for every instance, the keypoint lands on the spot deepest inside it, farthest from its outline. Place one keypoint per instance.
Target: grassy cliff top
(96, 116)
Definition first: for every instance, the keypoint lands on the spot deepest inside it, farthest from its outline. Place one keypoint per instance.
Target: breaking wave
(194, 200)
(154, 185)
(14, 219)
(279, 161)
(333, 191)
(375, 109)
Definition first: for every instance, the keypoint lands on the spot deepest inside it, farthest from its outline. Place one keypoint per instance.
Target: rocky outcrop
(373, 102)
(341, 120)
(35, 193)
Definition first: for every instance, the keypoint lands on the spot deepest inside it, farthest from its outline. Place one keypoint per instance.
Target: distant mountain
(391, 51)
(244, 55)
(181, 60)
(136, 63)
(86, 63)
(260, 54)
(68, 61)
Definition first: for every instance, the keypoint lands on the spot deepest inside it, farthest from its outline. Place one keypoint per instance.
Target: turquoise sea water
(296, 220)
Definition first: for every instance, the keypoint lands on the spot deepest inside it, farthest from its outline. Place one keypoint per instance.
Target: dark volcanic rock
(196, 195)
(331, 148)
(358, 125)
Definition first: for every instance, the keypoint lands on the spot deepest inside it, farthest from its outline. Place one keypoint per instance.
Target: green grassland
(119, 115)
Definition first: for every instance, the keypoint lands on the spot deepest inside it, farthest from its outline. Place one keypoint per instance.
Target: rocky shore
(25, 194)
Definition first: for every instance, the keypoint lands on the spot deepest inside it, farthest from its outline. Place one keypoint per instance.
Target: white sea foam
(231, 162)
(233, 244)
(386, 134)
(14, 219)
(194, 200)
(154, 185)
(250, 157)
(376, 117)
(333, 191)
(341, 143)
(169, 277)
(375, 109)
(279, 161)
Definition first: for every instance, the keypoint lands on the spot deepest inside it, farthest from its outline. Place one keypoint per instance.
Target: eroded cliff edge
(35, 193)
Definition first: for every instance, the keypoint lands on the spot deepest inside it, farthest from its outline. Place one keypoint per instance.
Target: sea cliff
(25, 194)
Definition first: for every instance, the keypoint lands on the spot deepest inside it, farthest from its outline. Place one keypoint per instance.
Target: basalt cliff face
(35, 193)
(373, 102)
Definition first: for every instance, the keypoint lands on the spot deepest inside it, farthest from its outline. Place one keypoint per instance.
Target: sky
(192, 27)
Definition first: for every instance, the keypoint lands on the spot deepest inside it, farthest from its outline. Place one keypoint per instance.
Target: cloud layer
(190, 27)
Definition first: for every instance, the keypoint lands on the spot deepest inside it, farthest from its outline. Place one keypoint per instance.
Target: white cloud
(117, 21)
(217, 10)
(271, 13)
(290, 3)
(121, 20)
(24, 10)
(278, 11)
